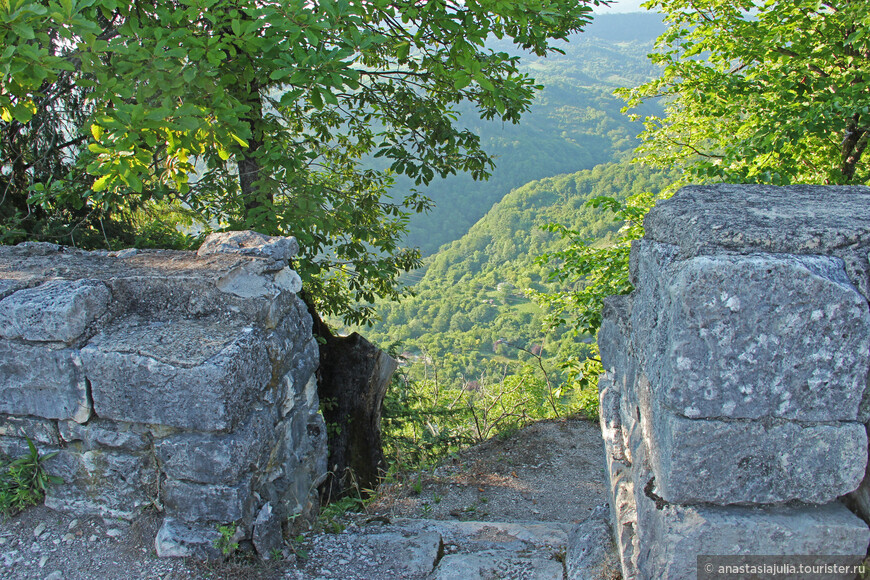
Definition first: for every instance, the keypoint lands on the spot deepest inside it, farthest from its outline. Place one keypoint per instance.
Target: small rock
(42, 561)
(56, 575)
(93, 538)
(73, 524)
(3, 541)
(39, 529)
(69, 537)
(55, 541)
(113, 532)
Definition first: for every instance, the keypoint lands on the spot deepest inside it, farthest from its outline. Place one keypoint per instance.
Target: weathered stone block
(590, 547)
(102, 482)
(39, 381)
(798, 219)
(673, 537)
(859, 499)
(38, 430)
(58, 310)
(267, 536)
(496, 564)
(103, 433)
(755, 461)
(210, 458)
(248, 243)
(176, 539)
(192, 502)
(7, 287)
(751, 336)
(193, 374)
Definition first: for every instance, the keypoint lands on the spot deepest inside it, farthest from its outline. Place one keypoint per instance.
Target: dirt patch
(550, 471)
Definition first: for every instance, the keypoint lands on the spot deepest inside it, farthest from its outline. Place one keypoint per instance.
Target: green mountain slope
(575, 123)
(470, 309)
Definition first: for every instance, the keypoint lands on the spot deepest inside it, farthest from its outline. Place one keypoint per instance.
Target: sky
(621, 6)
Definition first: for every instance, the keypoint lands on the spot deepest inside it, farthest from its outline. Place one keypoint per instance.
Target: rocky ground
(474, 516)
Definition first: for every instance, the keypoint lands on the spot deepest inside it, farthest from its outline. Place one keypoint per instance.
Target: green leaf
(23, 30)
(102, 183)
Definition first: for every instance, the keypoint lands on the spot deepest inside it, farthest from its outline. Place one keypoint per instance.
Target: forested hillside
(470, 307)
(477, 356)
(575, 123)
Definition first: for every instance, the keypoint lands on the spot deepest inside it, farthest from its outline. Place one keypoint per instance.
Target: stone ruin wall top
(173, 379)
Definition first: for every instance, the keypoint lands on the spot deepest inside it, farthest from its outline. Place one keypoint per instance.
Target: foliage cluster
(761, 92)
(225, 542)
(24, 480)
(424, 421)
(240, 114)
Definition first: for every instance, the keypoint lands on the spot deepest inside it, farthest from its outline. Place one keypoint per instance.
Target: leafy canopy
(774, 91)
(255, 114)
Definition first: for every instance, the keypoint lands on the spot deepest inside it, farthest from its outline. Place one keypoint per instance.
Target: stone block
(417, 552)
(797, 219)
(267, 536)
(58, 310)
(497, 564)
(752, 336)
(623, 513)
(102, 482)
(103, 433)
(176, 539)
(39, 381)
(199, 502)
(859, 499)
(7, 286)
(728, 462)
(248, 243)
(192, 374)
(38, 430)
(674, 536)
(211, 458)
(590, 547)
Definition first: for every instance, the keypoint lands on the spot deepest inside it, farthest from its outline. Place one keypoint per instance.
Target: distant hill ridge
(574, 124)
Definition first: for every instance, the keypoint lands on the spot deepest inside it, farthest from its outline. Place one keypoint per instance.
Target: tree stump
(352, 380)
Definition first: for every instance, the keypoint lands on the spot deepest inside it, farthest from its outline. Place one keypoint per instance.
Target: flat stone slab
(38, 430)
(414, 553)
(495, 535)
(192, 374)
(500, 564)
(103, 433)
(58, 310)
(43, 382)
(199, 502)
(796, 219)
(750, 336)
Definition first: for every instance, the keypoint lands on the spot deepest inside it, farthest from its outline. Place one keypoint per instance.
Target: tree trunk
(248, 163)
(855, 141)
(352, 379)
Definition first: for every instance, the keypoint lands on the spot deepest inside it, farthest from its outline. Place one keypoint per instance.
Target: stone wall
(166, 380)
(734, 402)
